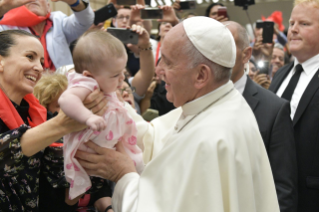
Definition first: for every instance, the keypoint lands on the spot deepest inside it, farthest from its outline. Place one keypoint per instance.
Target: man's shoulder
(268, 97)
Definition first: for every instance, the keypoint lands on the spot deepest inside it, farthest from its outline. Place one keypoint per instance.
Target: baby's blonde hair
(95, 48)
(49, 87)
(314, 3)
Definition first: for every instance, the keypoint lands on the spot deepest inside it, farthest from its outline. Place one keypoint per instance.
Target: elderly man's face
(174, 67)
(39, 7)
(303, 31)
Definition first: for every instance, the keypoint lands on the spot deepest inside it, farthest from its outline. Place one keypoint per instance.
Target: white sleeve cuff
(125, 196)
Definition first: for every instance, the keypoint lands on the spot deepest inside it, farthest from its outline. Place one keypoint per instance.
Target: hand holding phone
(268, 31)
(104, 13)
(124, 35)
(126, 2)
(187, 5)
(222, 12)
(152, 13)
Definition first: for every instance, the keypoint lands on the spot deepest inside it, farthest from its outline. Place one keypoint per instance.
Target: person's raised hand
(168, 15)
(262, 50)
(176, 6)
(221, 18)
(6, 5)
(150, 90)
(143, 39)
(106, 163)
(136, 14)
(262, 79)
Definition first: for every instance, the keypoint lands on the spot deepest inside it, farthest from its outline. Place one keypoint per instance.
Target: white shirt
(310, 67)
(241, 83)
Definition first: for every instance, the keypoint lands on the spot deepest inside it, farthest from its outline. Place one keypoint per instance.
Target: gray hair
(279, 46)
(221, 73)
(242, 36)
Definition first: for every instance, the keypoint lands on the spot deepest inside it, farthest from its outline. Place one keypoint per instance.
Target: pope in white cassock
(206, 155)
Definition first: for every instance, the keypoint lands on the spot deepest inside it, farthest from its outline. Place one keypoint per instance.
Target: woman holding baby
(24, 131)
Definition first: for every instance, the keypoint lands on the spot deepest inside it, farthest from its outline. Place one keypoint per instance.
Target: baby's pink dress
(120, 126)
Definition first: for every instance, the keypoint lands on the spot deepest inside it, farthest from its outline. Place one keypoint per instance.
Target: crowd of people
(201, 117)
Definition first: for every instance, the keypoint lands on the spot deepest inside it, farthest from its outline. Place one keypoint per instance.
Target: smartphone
(124, 35)
(263, 67)
(268, 31)
(187, 5)
(150, 114)
(151, 13)
(104, 13)
(126, 2)
(222, 11)
(259, 24)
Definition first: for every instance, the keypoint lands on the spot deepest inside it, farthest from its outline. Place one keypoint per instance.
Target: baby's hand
(96, 123)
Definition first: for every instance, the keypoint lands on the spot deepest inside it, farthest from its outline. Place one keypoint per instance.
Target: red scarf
(157, 52)
(11, 117)
(22, 17)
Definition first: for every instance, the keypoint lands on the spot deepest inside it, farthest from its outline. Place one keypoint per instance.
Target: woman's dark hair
(7, 40)
(211, 6)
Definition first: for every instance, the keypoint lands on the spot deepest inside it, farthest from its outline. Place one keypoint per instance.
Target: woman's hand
(106, 163)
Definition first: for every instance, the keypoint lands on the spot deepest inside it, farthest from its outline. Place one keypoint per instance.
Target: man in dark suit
(273, 118)
(298, 82)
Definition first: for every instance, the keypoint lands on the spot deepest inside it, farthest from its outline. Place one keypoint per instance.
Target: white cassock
(206, 156)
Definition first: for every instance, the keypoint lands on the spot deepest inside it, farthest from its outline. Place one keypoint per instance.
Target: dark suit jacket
(273, 117)
(306, 127)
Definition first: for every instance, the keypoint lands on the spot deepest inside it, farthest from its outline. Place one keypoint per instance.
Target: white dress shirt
(240, 84)
(310, 67)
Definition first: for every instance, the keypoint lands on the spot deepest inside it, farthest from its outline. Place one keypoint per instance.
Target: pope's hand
(106, 163)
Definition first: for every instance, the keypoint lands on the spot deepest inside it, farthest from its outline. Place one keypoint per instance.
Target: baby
(99, 60)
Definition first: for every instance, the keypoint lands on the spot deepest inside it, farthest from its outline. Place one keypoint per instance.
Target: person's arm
(283, 159)
(146, 101)
(143, 77)
(41, 136)
(77, 23)
(168, 15)
(6, 5)
(79, 4)
(71, 104)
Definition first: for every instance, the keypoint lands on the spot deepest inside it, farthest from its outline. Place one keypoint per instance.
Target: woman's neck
(11, 94)
(39, 28)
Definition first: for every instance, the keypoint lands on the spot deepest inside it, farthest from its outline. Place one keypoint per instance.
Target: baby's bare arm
(71, 104)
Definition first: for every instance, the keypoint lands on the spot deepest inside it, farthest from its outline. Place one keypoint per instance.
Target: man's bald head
(239, 33)
(243, 50)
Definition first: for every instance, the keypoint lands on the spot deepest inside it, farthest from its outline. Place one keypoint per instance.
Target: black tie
(292, 83)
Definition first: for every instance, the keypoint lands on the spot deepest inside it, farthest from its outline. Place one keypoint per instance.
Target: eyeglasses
(122, 17)
(127, 89)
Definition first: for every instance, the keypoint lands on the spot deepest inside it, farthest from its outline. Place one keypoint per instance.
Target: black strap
(292, 83)
(108, 208)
